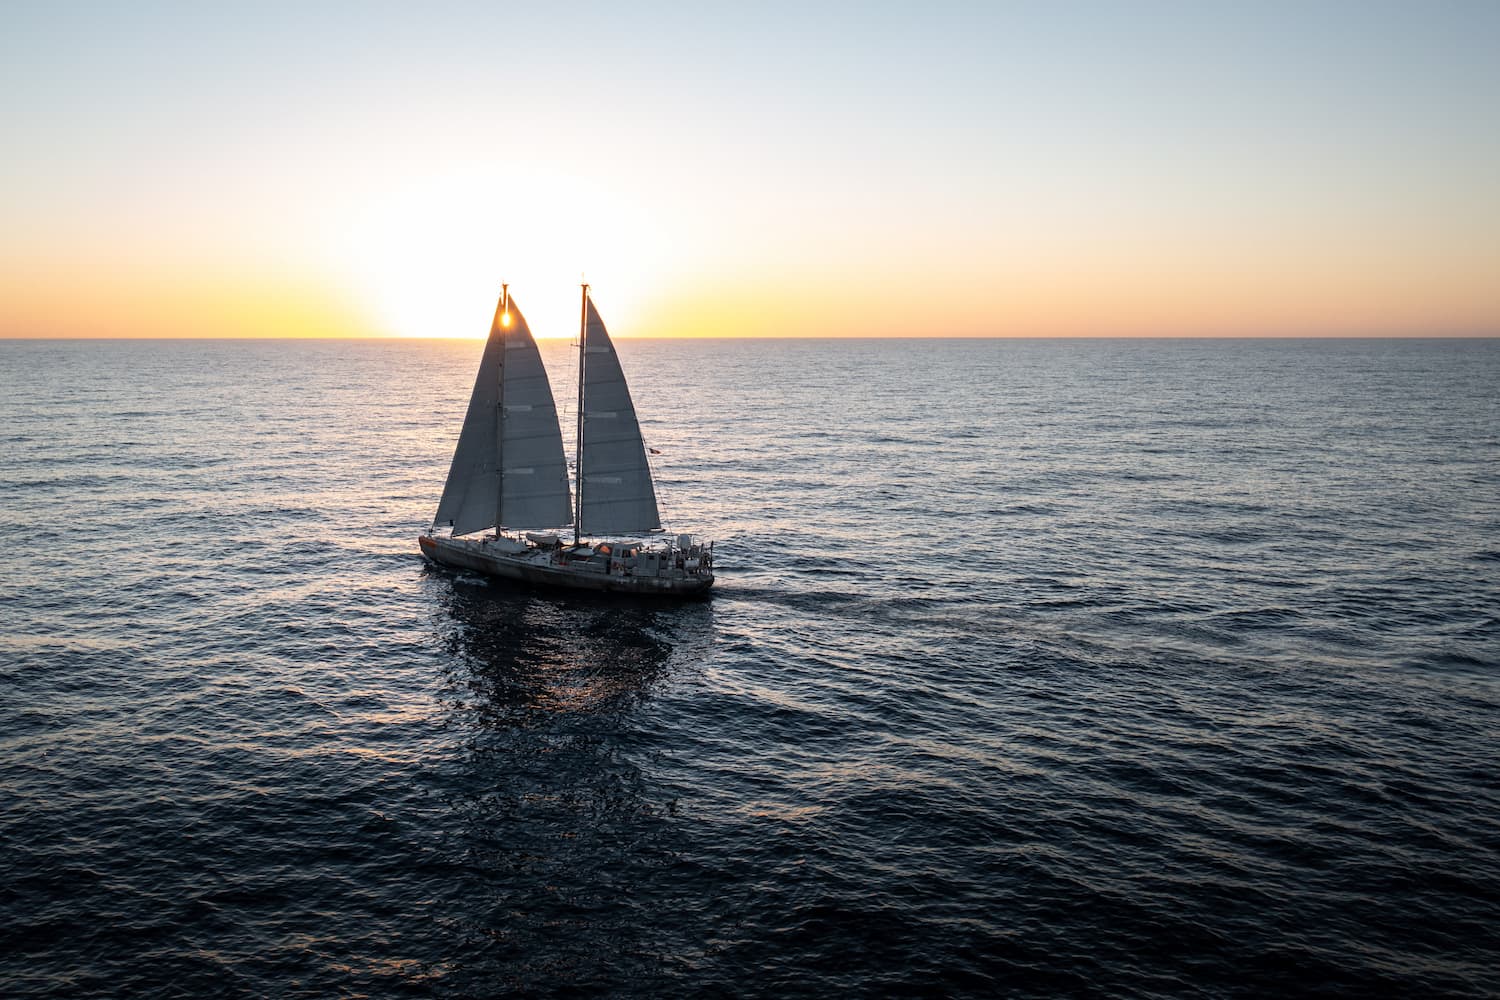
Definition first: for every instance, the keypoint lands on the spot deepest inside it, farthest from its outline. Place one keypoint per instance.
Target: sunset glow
(1078, 171)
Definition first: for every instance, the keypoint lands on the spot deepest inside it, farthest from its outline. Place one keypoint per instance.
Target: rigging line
(566, 409)
(661, 511)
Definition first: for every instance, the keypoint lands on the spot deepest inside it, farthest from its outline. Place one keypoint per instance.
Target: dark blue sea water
(1098, 668)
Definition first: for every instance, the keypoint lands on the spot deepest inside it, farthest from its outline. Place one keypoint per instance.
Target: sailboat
(506, 504)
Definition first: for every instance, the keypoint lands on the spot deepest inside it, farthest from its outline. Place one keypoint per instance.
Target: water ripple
(1081, 668)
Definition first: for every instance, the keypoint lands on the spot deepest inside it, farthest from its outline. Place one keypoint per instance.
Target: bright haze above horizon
(1012, 169)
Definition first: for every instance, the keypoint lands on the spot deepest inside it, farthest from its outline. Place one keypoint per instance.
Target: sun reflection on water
(548, 777)
(523, 657)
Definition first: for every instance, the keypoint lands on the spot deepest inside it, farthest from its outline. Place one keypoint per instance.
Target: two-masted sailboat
(509, 474)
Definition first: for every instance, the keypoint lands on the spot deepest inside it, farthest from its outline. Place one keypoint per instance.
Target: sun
(430, 259)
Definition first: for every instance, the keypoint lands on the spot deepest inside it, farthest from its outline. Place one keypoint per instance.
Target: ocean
(1128, 668)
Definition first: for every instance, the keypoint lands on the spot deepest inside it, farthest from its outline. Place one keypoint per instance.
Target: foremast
(500, 413)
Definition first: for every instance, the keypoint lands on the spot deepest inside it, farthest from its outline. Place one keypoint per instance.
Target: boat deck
(672, 573)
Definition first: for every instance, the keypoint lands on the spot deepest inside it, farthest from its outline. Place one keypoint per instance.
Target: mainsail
(508, 469)
(616, 495)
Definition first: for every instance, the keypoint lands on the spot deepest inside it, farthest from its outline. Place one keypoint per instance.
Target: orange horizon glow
(944, 172)
(1102, 304)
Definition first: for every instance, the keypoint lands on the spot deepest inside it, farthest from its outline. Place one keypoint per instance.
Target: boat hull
(528, 569)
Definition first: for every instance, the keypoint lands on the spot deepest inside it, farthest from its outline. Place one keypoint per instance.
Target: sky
(975, 169)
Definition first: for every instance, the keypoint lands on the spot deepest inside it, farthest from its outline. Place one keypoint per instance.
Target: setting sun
(428, 260)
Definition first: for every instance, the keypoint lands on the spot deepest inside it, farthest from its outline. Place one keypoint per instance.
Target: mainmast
(583, 335)
(504, 318)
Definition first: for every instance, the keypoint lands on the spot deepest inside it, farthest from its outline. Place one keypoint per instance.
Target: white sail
(508, 468)
(533, 470)
(616, 495)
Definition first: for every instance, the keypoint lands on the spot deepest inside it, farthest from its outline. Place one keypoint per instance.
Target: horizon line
(993, 336)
